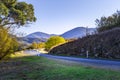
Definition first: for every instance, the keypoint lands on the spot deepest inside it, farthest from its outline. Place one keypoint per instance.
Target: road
(113, 65)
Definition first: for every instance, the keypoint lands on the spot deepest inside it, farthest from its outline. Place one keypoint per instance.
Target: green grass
(39, 68)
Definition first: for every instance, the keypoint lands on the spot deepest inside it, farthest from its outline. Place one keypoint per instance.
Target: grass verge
(40, 68)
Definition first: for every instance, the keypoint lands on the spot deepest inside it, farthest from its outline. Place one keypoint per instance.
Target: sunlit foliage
(54, 41)
(8, 44)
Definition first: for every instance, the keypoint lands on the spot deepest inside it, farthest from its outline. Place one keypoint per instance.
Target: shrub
(54, 41)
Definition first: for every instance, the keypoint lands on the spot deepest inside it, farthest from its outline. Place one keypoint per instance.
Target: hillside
(105, 45)
(35, 37)
(30, 40)
(78, 32)
(39, 35)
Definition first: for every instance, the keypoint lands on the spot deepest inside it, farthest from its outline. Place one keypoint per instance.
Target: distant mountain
(35, 37)
(31, 40)
(39, 35)
(78, 32)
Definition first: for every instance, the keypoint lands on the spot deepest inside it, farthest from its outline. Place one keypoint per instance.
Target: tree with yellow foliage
(54, 41)
(8, 44)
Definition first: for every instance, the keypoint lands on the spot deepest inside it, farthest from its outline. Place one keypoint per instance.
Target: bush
(54, 41)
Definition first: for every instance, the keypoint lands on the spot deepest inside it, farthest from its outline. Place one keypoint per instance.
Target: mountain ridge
(70, 34)
(39, 35)
(77, 32)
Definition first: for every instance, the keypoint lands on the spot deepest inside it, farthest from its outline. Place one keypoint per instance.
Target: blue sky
(58, 16)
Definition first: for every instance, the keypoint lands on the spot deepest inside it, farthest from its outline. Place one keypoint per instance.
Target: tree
(54, 41)
(41, 45)
(110, 22)
(34, 45)
(15, 13)
(8, 44)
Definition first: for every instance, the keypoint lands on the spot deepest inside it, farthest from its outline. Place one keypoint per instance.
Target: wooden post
(87, 55)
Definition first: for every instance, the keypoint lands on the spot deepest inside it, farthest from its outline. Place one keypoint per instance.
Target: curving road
(113, 65)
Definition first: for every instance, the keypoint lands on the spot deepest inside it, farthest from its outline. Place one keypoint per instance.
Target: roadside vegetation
(49, 44)
(39, 68)
(8, 44)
